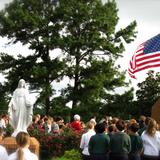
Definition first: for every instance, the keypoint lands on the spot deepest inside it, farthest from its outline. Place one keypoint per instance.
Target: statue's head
(21, 83)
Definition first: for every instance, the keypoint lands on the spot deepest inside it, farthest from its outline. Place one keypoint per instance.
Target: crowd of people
(116, 139)
(107, 139)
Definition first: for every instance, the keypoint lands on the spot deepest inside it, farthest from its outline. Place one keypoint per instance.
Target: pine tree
(84, 31)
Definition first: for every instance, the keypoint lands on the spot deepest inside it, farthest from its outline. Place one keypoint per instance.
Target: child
(136, 142)
(23, 153)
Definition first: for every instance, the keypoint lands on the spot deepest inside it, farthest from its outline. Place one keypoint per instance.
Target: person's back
(151, 141)
(3, 153)
(120, 144)
(23, 153)
(85, 141)
(136, 142)
(28, 155)
(99, 144)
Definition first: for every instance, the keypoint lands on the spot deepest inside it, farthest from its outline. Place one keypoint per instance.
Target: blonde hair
(152, 127)
(22, 140)
(90, 125)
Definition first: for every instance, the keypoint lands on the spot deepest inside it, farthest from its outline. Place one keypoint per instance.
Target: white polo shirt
(28, 155)
(3, 153)
(85, 140)
(151, 144)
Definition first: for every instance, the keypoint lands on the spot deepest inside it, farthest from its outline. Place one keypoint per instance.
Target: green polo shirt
(120, 143)
(99, 144)
(136, 143)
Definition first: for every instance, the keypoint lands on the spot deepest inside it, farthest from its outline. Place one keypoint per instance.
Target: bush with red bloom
(55, 144)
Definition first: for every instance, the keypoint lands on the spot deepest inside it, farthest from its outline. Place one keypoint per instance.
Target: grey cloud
(3, 2)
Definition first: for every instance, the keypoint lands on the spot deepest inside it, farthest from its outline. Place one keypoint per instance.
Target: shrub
(70, 155)
(54, 144)
(8, 130)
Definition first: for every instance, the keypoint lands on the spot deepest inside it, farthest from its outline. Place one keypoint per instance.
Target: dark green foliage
(148, 93)
(3, 100)
(119, 105)
(84, 31)
(70, 155)
(92, 46)
(32, 23)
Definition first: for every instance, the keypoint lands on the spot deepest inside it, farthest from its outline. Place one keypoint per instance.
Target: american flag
(147, 55)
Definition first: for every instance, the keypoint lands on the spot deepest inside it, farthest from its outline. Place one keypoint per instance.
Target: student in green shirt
(136, 142)
(99, 143)
(120, 143)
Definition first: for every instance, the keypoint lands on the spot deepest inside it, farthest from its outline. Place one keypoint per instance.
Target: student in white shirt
(151, 141)
(85, 140)
(23, 153)
(3, 153)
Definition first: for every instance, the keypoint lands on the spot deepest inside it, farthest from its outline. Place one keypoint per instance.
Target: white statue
(20, 109)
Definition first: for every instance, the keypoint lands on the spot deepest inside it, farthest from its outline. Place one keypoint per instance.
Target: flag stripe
(146, 67)
(141, 67)
(142, 57)
(155, 59)
(147, 55)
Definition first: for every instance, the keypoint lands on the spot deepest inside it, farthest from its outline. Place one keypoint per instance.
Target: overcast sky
(145, 12)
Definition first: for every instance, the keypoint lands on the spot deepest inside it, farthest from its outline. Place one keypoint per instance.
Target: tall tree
(92, 45)
(148, 93)
(33, 24)
(85, 31)
(3, 99)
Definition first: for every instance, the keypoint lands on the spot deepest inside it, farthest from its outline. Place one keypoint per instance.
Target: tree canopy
(86, 34)
(148, 93)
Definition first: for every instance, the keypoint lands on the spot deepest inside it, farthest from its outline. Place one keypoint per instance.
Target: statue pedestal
(10, 144)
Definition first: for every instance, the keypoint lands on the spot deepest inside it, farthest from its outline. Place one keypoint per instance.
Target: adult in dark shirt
(120, 144)
(99, 143)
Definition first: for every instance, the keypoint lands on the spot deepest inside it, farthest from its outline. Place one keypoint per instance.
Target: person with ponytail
(23, 152)
(151, 141)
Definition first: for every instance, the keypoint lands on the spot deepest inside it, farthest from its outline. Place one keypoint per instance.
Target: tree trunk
(76, 83)
(47, 105)
(48, 93)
